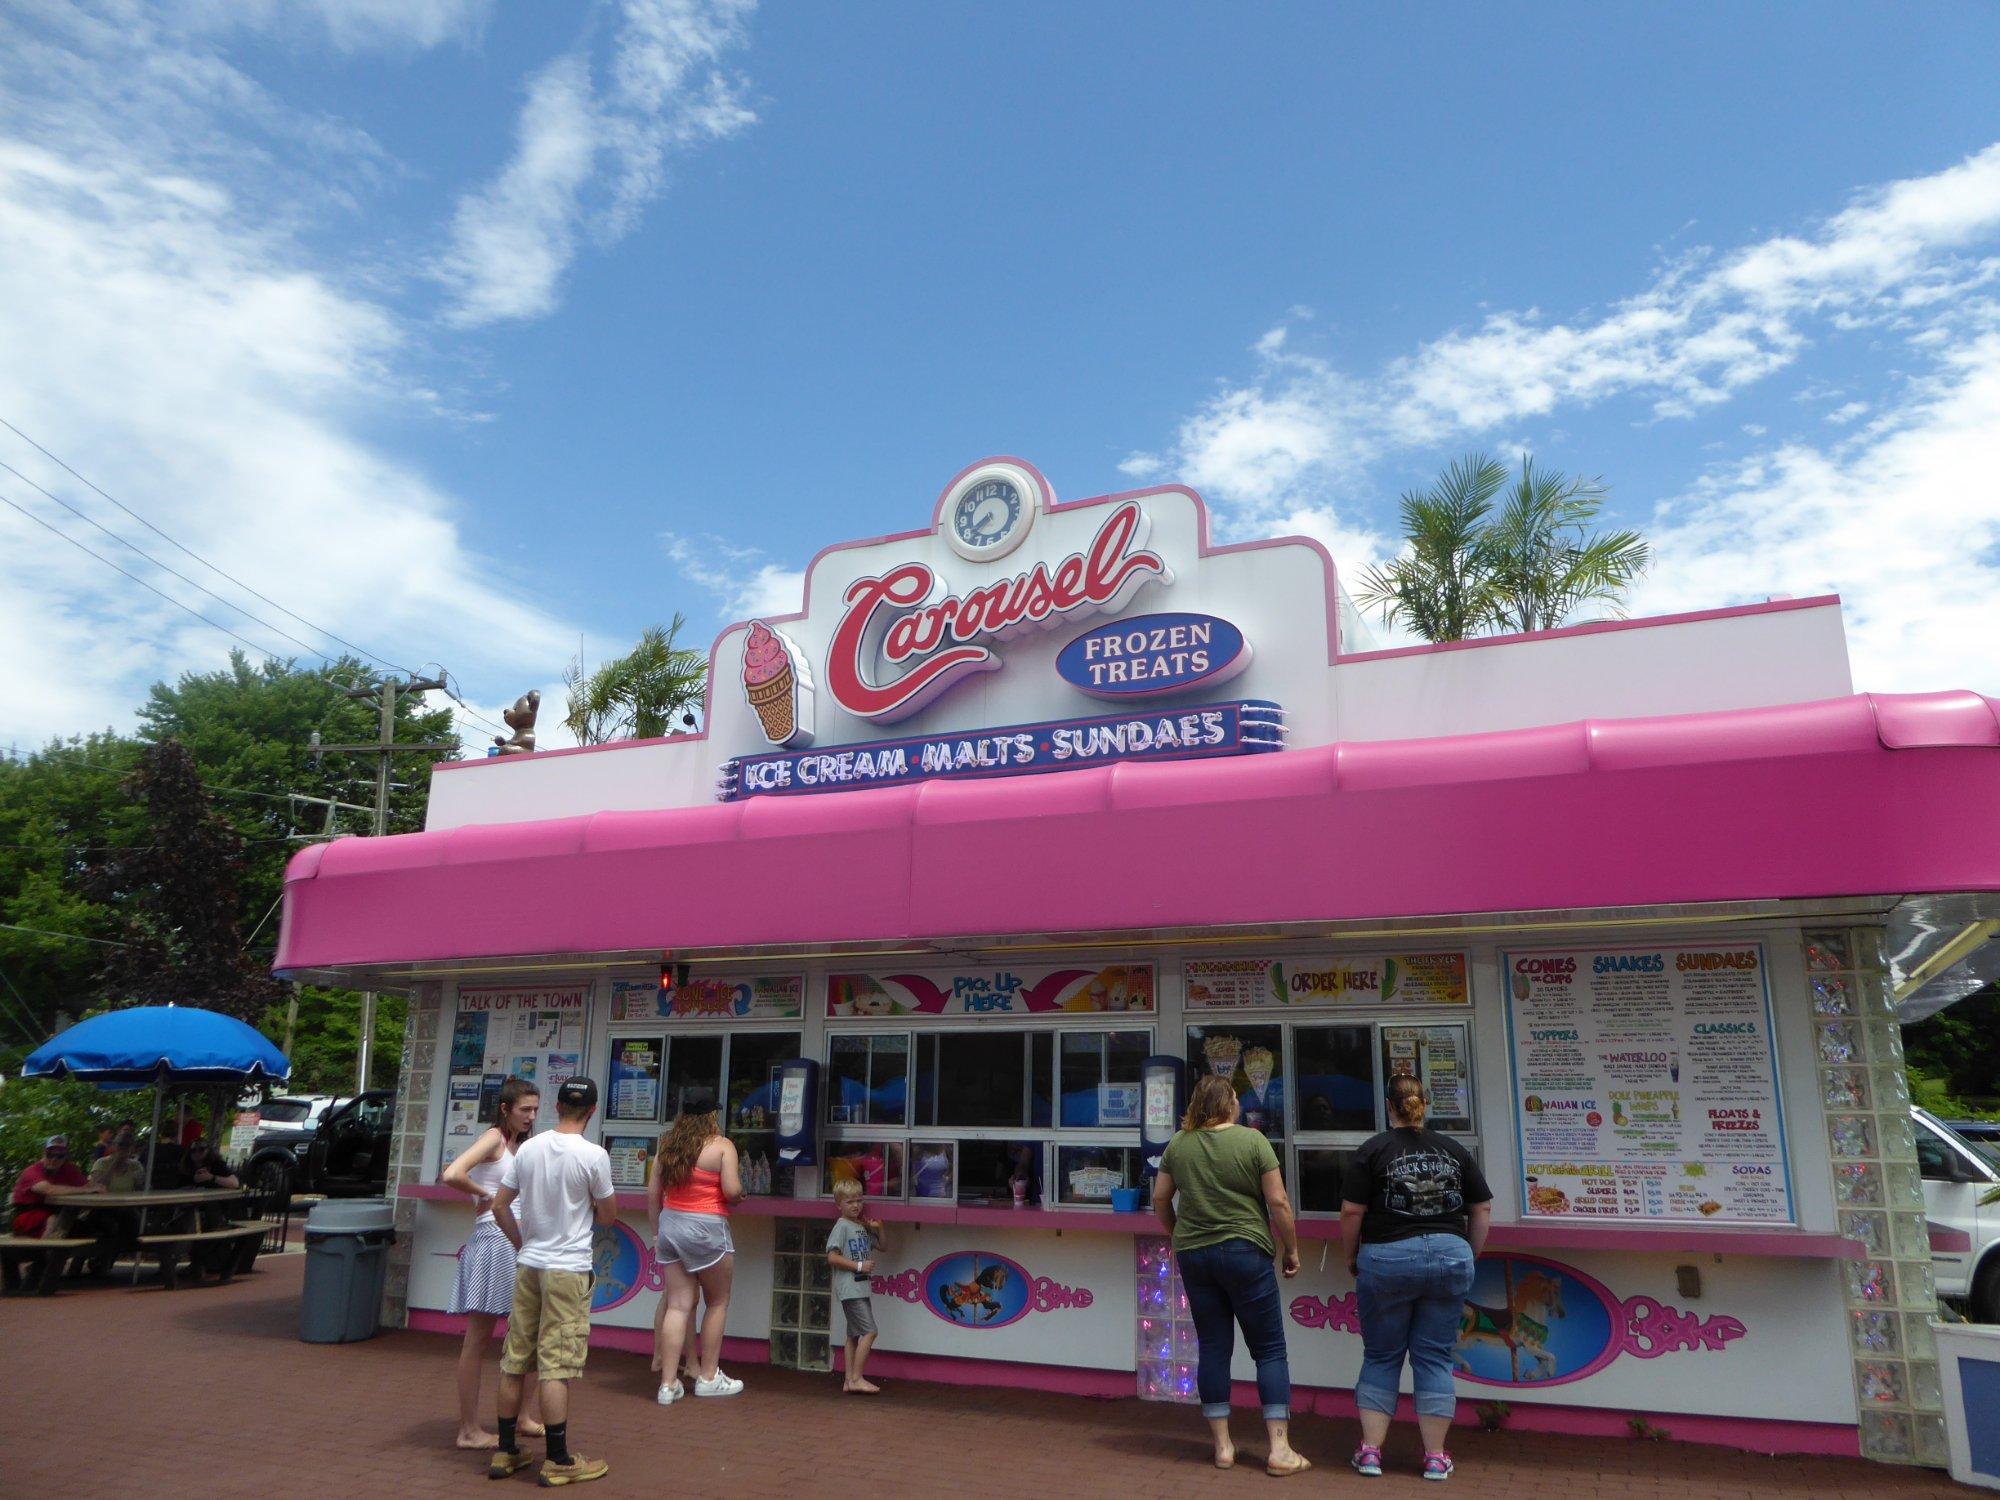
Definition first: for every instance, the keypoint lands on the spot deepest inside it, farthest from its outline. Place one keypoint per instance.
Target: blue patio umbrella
(159, 1045)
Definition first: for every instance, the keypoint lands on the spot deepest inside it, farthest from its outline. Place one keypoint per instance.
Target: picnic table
(50, 1252)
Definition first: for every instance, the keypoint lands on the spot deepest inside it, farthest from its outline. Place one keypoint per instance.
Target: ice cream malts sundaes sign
(882, 640)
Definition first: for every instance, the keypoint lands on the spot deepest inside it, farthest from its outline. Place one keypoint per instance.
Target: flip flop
(1226, 1463)
(1299, 1467)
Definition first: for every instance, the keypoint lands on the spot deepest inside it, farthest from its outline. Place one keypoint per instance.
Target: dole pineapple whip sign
(1646, 1085)
(1017, 635)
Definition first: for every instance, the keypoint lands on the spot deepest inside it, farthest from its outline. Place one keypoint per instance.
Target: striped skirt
(485, 1273)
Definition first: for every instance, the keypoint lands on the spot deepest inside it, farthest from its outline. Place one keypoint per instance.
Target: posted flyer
(1646, 1084)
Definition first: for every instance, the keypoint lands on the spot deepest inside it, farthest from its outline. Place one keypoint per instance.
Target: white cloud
(588, 159)
(349, 25)
(1897, 515)
(173, 333)
(746, 584)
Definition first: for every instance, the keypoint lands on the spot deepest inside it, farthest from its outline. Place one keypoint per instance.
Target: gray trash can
(347, 1258)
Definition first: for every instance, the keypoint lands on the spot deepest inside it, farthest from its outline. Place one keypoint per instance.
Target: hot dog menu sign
(1050, 611)
(1645, 1085)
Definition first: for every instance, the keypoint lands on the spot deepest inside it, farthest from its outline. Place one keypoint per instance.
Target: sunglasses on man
(56, 1153)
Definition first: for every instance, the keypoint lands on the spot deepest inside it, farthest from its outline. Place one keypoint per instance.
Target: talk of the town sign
(904, 638)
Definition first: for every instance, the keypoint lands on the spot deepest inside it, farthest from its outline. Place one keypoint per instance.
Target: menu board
(635, 1078)
(1312, 979)
(526, 1031)
(1646, 1085)
(1436, 1056)
(631, 1158)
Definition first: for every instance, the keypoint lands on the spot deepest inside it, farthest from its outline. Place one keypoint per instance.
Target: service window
(1099, 1074)
(988, 1171)
(1252, 1059)
(876, 1165)
(934, 1171)
(1334, 1071)
(868, 1078)
(1087, 1174)
(972, 1079)
(1321, 1169)
(693, 1062)
(750, 1109)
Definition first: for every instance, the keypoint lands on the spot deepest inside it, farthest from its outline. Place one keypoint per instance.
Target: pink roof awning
(1862, 796)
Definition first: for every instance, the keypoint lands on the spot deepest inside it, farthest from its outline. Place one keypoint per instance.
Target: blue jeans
(1411, 1294)
(1227, 1284)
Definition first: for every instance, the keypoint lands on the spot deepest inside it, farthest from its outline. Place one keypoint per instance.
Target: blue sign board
(1210, 729)
(1148, 655)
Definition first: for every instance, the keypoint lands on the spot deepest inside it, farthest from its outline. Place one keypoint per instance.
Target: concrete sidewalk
(208, 1392)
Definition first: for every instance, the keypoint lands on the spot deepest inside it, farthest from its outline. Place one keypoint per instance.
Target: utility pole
(334, 808)
(384, 749)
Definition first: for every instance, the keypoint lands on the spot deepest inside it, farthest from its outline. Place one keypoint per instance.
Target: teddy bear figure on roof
(521, 719)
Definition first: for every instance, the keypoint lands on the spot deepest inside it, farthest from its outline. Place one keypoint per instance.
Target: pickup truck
(1955, 1177)
(345, 1156)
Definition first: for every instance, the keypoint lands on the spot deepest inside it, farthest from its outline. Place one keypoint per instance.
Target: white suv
(1956, 1177)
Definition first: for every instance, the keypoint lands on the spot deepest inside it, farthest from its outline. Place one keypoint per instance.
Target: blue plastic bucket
(1125, 1200)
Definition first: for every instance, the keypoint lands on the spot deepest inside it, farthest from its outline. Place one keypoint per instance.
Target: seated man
(38, 1210)
(119, 1170)
(203, 1168)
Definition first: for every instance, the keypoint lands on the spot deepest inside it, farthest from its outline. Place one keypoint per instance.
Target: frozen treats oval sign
(1152, 655)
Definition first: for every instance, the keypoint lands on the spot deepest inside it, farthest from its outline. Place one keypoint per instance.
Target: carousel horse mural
(1534, 1301)
(975, 1299)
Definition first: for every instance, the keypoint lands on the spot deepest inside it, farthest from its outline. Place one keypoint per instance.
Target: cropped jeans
(1229, 1284)
(1411, 1295)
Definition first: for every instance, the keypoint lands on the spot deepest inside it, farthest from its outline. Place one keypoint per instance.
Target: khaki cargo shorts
(548, 1329)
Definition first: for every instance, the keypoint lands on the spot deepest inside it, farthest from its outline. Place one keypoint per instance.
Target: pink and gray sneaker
(1437, 1466)
(1367, 1460)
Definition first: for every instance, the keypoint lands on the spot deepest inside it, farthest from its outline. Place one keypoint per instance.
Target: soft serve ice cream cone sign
(990, 643)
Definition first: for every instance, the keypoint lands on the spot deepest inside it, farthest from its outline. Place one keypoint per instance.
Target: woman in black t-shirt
(1413, 1216)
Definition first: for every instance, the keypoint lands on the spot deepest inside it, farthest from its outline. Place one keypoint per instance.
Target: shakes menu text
(1645, 1085)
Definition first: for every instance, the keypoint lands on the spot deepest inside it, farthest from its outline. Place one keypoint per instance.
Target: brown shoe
(504, 1465)
(579, 1470)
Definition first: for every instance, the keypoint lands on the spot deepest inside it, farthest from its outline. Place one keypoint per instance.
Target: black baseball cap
(577, 1093)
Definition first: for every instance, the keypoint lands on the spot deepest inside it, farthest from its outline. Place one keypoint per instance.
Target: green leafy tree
(1475, 560)
(1953, 1057)
(641, 695)
(177, 896)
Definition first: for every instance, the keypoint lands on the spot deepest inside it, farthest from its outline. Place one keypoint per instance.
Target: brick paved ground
(208, 1392)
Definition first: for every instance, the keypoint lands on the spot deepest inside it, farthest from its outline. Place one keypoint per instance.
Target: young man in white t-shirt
(562, 1183)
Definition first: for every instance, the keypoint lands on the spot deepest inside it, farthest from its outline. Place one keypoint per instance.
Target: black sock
(558, 1442)
(507, 1443)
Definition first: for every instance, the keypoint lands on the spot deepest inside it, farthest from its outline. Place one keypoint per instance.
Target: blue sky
(467, 330)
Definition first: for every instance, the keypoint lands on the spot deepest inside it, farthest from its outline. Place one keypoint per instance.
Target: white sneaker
(670, 1393)
(722, 1385)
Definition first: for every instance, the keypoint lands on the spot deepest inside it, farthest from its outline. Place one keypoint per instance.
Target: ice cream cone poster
(777, 686)
(1119, 987)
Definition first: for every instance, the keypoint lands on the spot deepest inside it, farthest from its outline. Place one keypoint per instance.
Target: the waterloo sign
(1015, 626)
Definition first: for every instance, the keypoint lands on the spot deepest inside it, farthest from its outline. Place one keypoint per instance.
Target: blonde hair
(847, 1190)
(1209, 1104)
(1407, 1099)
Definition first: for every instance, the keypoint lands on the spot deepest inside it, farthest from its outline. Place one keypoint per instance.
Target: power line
(51, 526)
(68, 937)
(91, 520)
(106, 494)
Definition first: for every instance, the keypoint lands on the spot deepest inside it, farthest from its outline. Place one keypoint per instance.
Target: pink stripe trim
(1598, 627)
(1050, 505)
(1947, 1239)
(1752, 1435)
(1689, 1239)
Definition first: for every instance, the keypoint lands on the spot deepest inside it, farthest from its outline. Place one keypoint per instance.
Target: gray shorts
(693, 1241)
(860, 1315)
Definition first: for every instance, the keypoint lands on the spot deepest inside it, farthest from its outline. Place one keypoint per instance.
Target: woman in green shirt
(1231, 1195)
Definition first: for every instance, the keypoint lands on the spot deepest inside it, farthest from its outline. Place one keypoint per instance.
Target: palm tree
(639, 695)
(1441, 586)
(1545, 566)
(1530, 565)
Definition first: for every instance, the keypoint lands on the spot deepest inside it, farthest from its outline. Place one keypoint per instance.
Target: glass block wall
(412, 1124)
(801, 1298)
(1891, 1295)
(1166, 1348)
